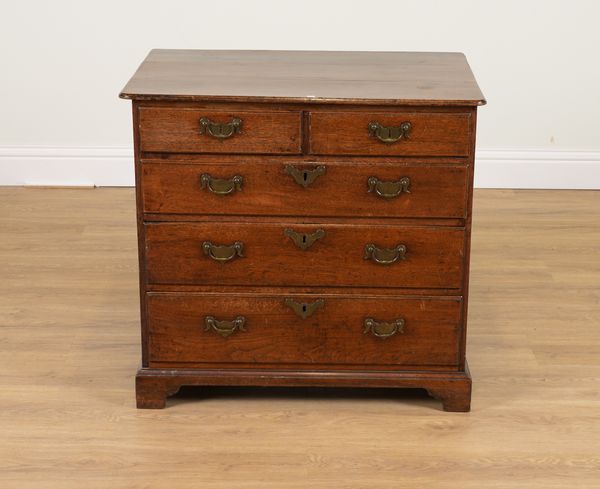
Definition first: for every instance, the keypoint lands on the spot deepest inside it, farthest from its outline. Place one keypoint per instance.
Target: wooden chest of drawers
(304, 219)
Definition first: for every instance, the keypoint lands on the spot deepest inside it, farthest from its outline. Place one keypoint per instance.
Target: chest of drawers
(304, 219)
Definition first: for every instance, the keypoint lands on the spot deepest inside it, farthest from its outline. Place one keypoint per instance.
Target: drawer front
(258, 329)
(291, 253)
(292, 188)
(386, 133)
(190, 130)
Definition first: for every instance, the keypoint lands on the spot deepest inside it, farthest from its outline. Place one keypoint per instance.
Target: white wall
(64, 62)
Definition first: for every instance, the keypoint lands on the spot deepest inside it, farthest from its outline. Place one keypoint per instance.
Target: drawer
(295, 254)
(406, 133)
(238, 186)
(195, 130)
(336, 329)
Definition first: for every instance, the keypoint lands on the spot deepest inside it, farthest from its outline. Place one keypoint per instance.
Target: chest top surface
(387, 78)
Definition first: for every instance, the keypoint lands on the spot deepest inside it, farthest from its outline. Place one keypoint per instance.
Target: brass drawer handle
(223, 253)
(388, 190)
(385, 256)
(225, 328)
(383, 329)
(220, 131)
(304, 240)
(305, 177)
(221, 186)
(304, 309)
(389, 134)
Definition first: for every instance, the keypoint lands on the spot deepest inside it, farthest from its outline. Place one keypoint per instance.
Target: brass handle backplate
(388, 190)
(385, 256)
(221, 186)
(220, 130)
(304, 309)
(304, 240)
(223, 253)
(389, 134)
(383, 329)
(225, 328)
(305, 177)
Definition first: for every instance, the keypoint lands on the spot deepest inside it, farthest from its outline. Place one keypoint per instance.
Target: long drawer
(303, 329)
(288, 187)
(294, 253)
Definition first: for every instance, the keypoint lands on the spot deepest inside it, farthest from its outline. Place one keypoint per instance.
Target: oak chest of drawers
(304, 219)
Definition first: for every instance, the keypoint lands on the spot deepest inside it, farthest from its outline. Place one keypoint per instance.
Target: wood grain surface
(306, 76)
(431, 134)
(177, 130)
(174, 254)
(69, 348)
(274, 333)
(437, 188)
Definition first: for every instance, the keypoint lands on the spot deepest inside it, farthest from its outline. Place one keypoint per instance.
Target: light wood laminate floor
(69, 348)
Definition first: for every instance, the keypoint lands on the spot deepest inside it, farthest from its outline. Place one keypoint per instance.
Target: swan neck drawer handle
(221, 186)
(385, 256)
(223, 253)
(383, 329)
(225, 328)
(389, 134)
(388, 190)
(220, 130)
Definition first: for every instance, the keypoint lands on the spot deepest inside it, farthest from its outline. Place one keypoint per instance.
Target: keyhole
(305, 176)
(303, 307)
(304, 238)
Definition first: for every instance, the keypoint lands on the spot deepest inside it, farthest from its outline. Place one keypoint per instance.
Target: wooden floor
(69, 351)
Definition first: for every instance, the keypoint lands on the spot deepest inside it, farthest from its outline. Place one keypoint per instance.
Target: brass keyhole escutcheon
(304, 309)
(305, 177)
(304, 240)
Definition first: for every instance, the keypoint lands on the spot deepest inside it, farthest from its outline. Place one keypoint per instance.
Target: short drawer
(298, 254)
(239, 186)
(390, 133)
(303, 329)
(192, 130)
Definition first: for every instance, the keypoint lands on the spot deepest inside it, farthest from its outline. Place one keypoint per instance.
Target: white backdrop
(64, 62)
